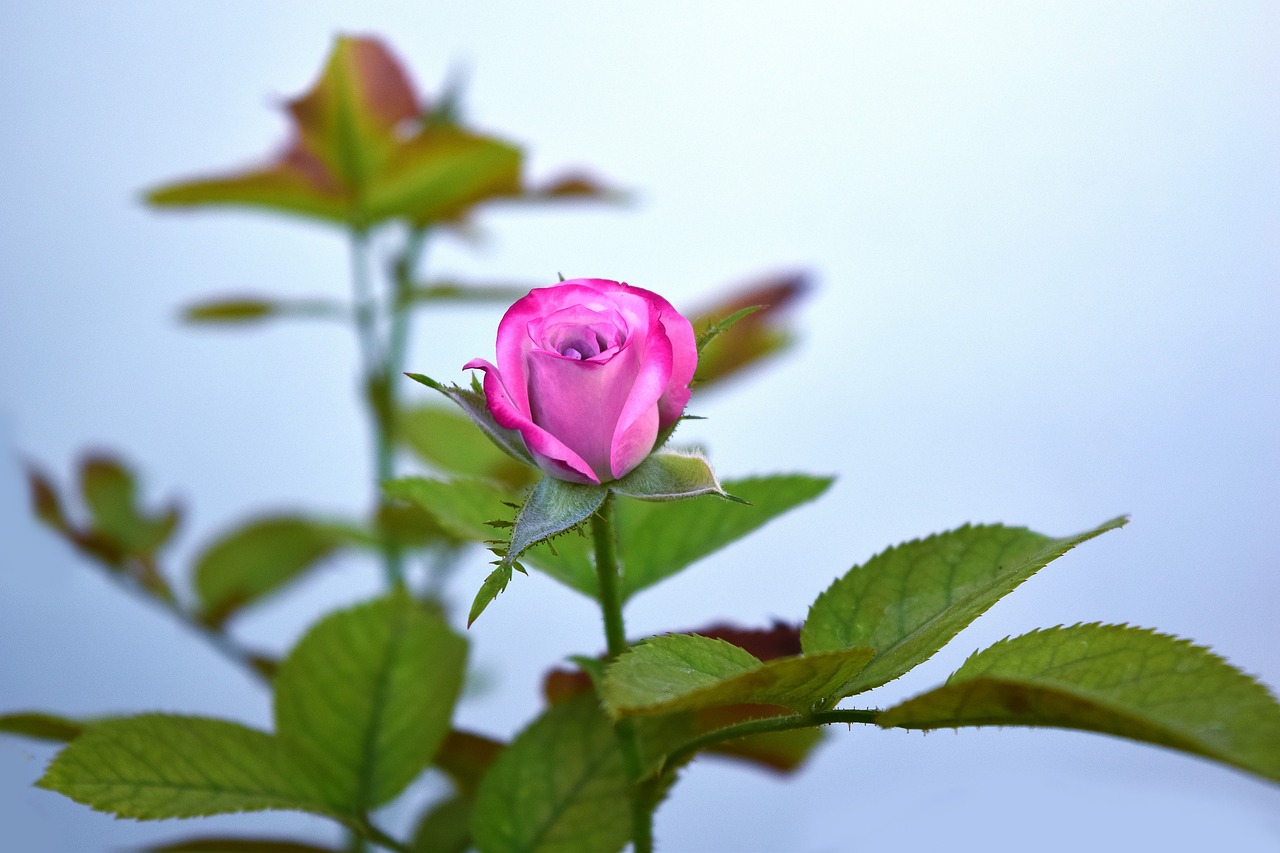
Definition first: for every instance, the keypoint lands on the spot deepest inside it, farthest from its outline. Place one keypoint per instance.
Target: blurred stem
(606, 549)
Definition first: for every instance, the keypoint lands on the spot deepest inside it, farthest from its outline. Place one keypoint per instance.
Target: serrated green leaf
(670, 476)
(258, 557)
(473, 405)
(41, 726)
(657, 540)
(450, 441)
(157, 766)
(909, 601)
(685, 672)
(494, 585)
(217, 844)
(1112, 679)
(560, 786)
(368, 694)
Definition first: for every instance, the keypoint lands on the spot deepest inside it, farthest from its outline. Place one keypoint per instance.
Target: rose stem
(606, 548)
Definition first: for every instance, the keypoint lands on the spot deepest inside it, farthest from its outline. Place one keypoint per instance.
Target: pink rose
(590, 372)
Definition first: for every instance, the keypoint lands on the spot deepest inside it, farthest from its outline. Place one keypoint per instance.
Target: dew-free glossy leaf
(368, 694)
(909, 601)
(560, 786)
(1114, 679)
(258, 557)
(685, 672)
(156, 766)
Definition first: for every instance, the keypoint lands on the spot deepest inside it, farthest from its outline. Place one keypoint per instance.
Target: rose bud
(590, 373)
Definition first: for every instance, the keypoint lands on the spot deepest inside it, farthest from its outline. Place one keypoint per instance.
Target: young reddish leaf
(756, 336)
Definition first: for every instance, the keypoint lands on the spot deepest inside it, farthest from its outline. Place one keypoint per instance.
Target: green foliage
(362, 704)
(560, 786)
(258, 557)
(909, 601)
(670, 476)
(685, 672)
(462, 508)
(473, 404)
(445, 827)
(1113, 679)
(40, 726)
(249, 309)
(451, 442)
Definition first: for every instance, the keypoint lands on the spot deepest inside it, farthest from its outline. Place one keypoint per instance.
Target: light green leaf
(560, 786)
(494, 585)
(110, 493)
(258, 557)
(474, 406)
(657, 540)
(450, 441)
(909, 601)
(368, 694)
(685, 672)
(1112, 679)
(157, 766)
(41, 726)
(461, 507)
(670, 476)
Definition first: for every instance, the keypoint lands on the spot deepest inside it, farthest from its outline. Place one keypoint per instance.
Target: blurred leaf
(456, 291)
(130, 767)
(258, 557)
(362, 703)
(462, 508)
(685, 672)
(445, 827)
(909, 601)
(109, 491)
(450, 441)
(40, 726)
(368, 694)
(465, 757)
(670, 476)
(573, 186)
(409, 525)
(215, 844)
(1113, 679)
(45, 502)
(476, 407)
(249, 309)
(560, 786)
(755, 336)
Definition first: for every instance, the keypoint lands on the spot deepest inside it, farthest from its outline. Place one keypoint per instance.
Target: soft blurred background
(1044, 238)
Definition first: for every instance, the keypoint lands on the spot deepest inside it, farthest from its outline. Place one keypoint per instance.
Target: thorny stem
(606, 550)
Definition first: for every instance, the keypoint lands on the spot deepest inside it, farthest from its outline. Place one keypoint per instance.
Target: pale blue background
(1046, 242)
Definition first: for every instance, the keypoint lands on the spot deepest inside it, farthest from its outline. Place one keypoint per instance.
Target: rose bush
(590, 372)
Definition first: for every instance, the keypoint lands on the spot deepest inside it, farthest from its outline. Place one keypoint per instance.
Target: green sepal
(473, 404)
(670, 476)
(717, 329)
(1113, 679)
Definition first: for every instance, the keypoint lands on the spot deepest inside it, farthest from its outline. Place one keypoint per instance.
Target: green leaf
(1112, 679)
(368, 694)
(258, 557)
(494, 585)
(297, 183)
(249, 309)
(552, 507)
(474, 406)
(216, 844)
(110, 493)
(685, 672)
(909, 601)
(451, 442)
(716, 329)
(41, 726)
(462, 508)
(670, 476)
(560, 786)
(362, 704)
(445, 827)
(658, 539)
(156, 766)
(752, 338)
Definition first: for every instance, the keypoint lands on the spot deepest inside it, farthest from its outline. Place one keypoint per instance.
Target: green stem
(771, 724)
(606, 549)
(366, 829)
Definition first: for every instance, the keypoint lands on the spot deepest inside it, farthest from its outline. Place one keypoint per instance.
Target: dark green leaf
(560, 786)
(685, 672)
(215, 844)
(474, 406)
(157, 766)
(909, 601)
(39, 726)
(368, 694)
(1113, 679)
(445, 827)
(669, 476)
(258, 557)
